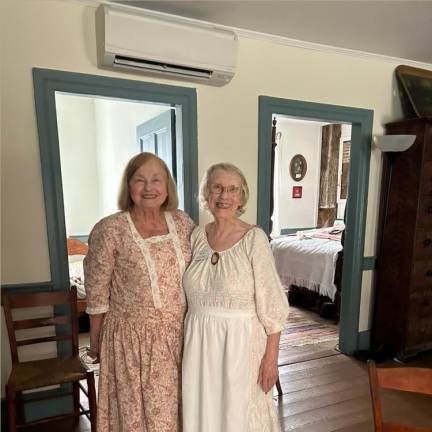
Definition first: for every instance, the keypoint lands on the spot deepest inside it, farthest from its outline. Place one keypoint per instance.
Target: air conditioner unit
(165, 45)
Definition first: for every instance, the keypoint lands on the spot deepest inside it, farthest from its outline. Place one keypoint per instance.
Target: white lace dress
(232, 306)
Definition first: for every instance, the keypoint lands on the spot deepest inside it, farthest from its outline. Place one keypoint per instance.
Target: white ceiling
(392, 28)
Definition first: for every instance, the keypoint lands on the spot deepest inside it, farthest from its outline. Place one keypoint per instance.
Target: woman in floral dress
(133, 272)
(236, 310)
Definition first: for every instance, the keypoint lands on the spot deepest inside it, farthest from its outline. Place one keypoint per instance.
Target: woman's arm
(95, 329)
(268, 371)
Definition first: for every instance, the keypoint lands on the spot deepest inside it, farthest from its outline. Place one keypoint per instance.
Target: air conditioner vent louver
(153, 66)
(170, 46)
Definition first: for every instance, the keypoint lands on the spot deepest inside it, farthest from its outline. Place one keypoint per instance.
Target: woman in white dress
(236, 311)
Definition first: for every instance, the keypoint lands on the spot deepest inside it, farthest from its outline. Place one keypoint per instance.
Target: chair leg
(279, 387)
(19, 401)
(76, 400)
(91, 389)
(11, 408)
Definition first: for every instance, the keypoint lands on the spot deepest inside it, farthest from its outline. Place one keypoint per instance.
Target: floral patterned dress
(233, 305)
(137, 283)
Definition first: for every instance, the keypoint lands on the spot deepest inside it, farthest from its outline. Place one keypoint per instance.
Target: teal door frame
(361, 136)
(46, 84)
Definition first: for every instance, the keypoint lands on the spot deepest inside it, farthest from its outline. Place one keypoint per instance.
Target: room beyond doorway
(361, 121)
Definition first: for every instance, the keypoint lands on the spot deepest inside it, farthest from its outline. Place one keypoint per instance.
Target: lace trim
(148, 261)
(179, 253)
(97, 310)
(142, 243)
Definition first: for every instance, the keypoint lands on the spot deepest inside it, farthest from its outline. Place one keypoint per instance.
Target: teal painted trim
(36, 410)
(285, 231)
(59, 404)
(46, 83)
(28, 287)
(369, 263)
(361, 136)
(364, 338)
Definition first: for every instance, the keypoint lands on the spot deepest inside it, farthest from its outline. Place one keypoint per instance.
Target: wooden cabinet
(402, 323)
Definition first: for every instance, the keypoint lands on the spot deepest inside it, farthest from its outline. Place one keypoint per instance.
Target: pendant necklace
(214, 258)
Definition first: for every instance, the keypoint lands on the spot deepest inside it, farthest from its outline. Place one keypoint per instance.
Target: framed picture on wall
(416, 90)
(298, 167)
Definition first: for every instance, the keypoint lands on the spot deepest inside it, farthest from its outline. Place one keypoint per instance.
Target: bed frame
(77, 247)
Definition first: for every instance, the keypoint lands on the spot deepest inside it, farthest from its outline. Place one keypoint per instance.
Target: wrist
(92, 352)
(271, 356)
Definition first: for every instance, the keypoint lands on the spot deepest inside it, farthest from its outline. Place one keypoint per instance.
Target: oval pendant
(214, 258)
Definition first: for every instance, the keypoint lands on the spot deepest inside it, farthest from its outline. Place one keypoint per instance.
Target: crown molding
(266, 37)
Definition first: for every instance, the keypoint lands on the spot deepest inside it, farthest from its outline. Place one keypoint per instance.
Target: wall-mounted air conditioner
(165, 45)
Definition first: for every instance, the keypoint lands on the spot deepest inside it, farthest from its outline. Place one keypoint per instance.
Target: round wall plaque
(298, 167)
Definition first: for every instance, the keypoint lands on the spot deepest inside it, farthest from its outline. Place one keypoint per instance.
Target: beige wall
(61, 35)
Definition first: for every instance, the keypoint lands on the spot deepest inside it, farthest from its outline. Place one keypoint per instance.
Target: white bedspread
(307, 262)
(76, 274)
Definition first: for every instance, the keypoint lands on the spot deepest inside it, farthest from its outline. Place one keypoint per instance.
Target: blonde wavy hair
(125, 202)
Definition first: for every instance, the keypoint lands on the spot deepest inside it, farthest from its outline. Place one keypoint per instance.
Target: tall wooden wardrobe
(403, 304)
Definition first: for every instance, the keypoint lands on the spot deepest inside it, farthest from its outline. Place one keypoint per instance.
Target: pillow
(76, 247)
(75, 258)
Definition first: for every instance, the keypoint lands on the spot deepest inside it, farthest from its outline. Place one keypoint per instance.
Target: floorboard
(324, 391)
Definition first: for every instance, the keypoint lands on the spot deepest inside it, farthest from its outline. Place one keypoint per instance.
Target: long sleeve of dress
(98, 268)
(271, 301)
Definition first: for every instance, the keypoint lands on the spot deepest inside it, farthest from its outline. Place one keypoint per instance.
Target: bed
(77, 250)
(309, 264)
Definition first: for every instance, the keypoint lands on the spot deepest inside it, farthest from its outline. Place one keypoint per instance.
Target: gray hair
(205, 183)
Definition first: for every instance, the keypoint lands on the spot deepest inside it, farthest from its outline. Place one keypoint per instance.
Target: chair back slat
(41, 322)
(31, 300)
(43, 340)
(28, 300)
(416, 380)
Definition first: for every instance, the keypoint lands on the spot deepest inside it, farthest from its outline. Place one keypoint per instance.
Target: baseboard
(61, 403)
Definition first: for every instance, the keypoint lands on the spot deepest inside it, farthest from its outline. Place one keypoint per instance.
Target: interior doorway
(310, 190)
(355, 214)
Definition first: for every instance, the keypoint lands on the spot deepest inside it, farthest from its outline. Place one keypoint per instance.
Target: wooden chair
(409, 379)
(48, 372)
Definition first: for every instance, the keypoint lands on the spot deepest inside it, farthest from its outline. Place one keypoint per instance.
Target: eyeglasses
(218, 189)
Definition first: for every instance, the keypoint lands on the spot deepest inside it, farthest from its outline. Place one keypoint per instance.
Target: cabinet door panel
(426, 179)
(422, 276)
(419, 329)
(425, 212)
(423, 244)
(428, 143)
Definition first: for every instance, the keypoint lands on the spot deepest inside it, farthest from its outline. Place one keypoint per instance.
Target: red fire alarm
(297, 191)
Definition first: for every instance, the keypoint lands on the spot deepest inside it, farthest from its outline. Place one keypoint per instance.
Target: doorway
(311, 160)
(361, 135)
(52, 84)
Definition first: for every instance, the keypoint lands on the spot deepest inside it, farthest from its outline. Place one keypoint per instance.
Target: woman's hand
(268, 372)
(96, 322)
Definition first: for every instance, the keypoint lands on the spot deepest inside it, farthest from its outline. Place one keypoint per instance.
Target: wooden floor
(324, 391)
